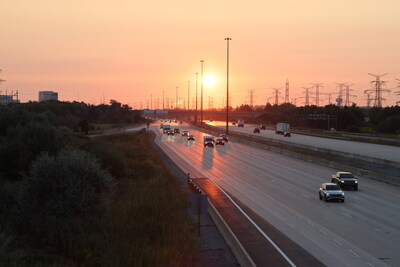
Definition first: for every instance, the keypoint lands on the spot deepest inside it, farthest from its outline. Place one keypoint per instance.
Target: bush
(23, 143)
(59, 190)
(390, 125)
(110, 158)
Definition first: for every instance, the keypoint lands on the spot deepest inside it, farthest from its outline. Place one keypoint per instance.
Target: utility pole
(227, 39)
(398, 92)
(276, 90)
(151, 101)
(378, 89)
(287, 91)
(251, 97)
(369, 99)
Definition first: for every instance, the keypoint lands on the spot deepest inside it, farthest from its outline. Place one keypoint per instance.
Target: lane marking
(322, 231)
(338, 242)
(310, 223)
(241, 210)
(369, 264)
(355, 254)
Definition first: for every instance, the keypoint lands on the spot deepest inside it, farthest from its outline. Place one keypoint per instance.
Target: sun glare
(209, 80)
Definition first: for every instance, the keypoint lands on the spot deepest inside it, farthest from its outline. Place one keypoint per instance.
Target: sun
(210, 80)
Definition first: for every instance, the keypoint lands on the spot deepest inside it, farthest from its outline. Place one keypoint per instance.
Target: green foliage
(111, 158)
(9, 255)
(353, 129)
(390, 125)
(23, 143)
(59, 189)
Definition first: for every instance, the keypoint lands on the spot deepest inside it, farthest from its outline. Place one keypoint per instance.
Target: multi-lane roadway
(391, 153)
(362, 231)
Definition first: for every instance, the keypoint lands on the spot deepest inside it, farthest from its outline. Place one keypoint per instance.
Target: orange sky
(129, 50)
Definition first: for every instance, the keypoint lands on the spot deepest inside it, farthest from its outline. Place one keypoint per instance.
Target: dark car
(262, 127)
(208, 141)
(233, 123)
(176, 130)
(170, 132)
(190, 137)
(256, 130)
(330, 191)
(219, 141)
(345, 180)
(185, 133)
(225, 137)
(286, 134)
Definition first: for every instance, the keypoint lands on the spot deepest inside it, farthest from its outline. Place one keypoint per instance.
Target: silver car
(330, 191)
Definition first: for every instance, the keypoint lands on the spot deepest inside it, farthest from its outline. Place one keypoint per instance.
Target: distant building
(47, 95)
(6, 99)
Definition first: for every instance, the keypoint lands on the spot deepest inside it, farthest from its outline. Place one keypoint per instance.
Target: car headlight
(356, 182)
(342, 181)
(327, 194)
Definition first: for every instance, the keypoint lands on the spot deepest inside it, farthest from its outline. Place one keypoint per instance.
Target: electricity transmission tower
(317, 86)
(287, 91)
(276, 90)
(339, 99)
(307, 97)
(251, 97)
(369, 99)
(378, 89)
(398, 92)
(348, 95)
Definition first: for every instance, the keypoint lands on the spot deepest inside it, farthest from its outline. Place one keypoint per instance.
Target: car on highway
(170, 132)
(225, 137)
(208, 140)
(190, 137)
(185, 133)
(286, 134)
(330, 191)
(176, 130)
(233, 123)
(219, 141)
(345, 180)
(262, 127)
(256, 130)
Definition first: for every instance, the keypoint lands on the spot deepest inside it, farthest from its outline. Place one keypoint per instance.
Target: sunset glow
(130, 50)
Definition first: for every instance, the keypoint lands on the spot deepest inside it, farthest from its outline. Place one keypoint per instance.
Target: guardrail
(308, 153)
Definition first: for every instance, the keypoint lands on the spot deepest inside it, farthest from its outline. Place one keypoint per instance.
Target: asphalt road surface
(391, 153)
(362, 231)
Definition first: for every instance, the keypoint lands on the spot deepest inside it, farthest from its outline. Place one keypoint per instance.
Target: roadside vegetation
(66, 199)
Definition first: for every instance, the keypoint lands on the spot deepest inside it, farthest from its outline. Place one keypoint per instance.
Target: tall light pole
(201, 97)
(188, 95)
(176, 101)
(163, 100)
(227, 83)
(195, 119)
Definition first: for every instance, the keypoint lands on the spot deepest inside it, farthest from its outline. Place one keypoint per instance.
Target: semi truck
(240, 123)
(282, 128)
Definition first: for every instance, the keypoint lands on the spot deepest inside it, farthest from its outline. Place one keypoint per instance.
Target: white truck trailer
(240, 123)
(282, 128)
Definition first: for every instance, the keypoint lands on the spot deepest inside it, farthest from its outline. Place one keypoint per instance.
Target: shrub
(60, 189)
(353, 129)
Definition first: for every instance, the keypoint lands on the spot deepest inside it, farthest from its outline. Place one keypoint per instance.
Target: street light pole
(163, 100)
(188, 95)
(227, 83)
(201, 97)
(195, 119)
(176, 101)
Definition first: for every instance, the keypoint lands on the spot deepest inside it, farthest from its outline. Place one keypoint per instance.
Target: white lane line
(322, 231)
(242, 211)
(337, 242)
(369, 264)
(355, 254)
(379, 230)
(310, 223)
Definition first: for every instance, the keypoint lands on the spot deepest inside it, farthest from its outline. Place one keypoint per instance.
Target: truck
(240, 123)
(282, 128)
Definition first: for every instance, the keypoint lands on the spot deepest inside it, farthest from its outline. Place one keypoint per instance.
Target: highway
(391, 153)
(362, 231)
